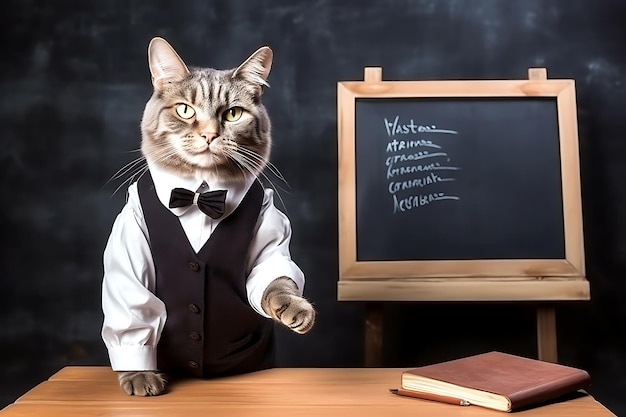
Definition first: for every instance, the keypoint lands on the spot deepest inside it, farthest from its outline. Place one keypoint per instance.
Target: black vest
(210, 330)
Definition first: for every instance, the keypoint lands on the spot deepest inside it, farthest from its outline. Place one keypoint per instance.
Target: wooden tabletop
(302, 392)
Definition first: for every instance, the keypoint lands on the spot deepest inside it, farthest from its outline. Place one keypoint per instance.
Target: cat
(200, 125)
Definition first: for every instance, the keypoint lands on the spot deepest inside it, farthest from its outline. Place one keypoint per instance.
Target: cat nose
(209, 136)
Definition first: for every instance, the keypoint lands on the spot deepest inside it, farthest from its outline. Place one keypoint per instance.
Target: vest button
(194, 266)
(194, 308)
(194, 336)
(193, 364)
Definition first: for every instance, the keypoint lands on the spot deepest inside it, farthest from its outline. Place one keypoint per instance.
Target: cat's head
(203, 122)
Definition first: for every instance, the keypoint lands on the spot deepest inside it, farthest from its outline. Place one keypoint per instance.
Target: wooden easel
(546, 315)
(374, 313)
(375, 288)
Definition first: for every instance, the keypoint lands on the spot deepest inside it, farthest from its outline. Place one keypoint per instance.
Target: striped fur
(208, 146)
(242, 147)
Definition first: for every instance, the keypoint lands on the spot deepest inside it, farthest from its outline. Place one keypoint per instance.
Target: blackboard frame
(485, 279)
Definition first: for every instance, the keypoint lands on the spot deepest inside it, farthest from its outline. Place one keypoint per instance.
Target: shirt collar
(165, 182)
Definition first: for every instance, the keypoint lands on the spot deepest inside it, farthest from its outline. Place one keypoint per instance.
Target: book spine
(549, 391)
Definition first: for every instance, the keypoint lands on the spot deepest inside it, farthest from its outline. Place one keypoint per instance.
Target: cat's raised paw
(282, 302)
(142, 383)
(297, 314)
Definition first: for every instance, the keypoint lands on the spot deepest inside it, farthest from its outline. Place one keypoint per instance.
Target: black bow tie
(211, 203)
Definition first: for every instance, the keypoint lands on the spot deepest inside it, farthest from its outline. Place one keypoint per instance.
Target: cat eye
(233, 114)
(185, 111)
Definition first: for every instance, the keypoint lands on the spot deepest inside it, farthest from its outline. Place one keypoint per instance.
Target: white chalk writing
(432, 178)
(417, 164)
(420, 200)
(395, 127)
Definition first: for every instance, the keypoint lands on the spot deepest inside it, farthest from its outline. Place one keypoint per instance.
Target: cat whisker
(254, 157)
(257, 159)
(131, 179)
(126, 168)
(272, 168)
(249, 164)
(244, 167)
(243, 164)
(132, 168)
(136, 168)
(133, 150)
(163, 154)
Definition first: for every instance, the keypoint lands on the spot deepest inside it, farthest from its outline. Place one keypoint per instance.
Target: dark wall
(74, 81)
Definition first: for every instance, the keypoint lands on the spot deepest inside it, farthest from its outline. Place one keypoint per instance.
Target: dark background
(74, 81)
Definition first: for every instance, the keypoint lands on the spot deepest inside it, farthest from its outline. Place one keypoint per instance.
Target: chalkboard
(458, 178)
(459, 182)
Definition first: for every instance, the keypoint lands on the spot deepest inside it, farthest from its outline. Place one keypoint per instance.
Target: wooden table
(293, 392)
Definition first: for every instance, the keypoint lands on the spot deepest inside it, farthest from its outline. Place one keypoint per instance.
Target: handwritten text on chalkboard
(415, 164)
(456, 178)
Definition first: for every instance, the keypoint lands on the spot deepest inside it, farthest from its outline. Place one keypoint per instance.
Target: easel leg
(546, 334)
(374, 335)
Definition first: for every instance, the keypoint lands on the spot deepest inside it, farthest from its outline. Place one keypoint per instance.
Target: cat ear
(165, 64)
(257, 67)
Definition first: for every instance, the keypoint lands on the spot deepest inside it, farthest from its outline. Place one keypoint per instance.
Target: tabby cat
(209, 127)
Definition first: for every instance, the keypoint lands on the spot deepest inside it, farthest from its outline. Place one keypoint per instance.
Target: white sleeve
(269, 257)
(133, 316)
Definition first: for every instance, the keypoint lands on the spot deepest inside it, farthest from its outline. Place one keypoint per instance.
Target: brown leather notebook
(496, 380)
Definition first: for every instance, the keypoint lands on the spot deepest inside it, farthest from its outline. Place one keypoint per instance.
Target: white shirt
(133, 316)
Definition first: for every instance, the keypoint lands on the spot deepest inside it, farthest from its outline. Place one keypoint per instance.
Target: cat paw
(284, 305)
(142, 383)
(296, 313)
